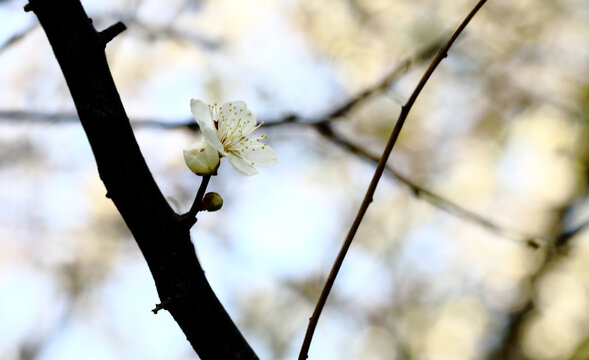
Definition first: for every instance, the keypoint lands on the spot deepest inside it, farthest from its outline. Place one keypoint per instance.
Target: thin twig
(111, 32)
(401, 69)
(442, 53)
(190, 217)
(170, 32)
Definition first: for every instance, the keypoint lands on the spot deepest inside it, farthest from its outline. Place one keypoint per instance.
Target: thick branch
(161, 235)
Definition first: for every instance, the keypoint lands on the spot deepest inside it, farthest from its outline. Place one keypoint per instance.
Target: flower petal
(235, 117)
(204, 119)
(241, 165)
(201, 158)
(259, 154)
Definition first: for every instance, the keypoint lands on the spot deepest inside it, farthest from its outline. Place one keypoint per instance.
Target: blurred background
(474, 247)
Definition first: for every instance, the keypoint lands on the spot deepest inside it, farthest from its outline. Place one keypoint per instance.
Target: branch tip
(161, 306)
(111, 32)
(157, 308)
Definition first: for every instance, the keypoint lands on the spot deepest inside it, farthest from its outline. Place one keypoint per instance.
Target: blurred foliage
(500, 130)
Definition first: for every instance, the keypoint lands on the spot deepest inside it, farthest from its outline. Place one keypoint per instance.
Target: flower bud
(202, 159)
(212, 202)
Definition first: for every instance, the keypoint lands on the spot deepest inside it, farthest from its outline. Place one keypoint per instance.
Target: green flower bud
(212, 202)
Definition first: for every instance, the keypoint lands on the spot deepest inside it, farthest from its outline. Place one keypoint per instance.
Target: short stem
(190, 216)
(111, 32)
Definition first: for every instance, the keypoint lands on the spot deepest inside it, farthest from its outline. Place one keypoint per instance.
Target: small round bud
(212, 202)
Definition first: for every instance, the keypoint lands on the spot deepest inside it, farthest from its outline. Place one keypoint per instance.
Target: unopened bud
(202, 158)
(212, 202)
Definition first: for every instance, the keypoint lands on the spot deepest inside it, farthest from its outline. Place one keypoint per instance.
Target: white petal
(259, 154)
(201, 158)
(204, 119)
(242, 165)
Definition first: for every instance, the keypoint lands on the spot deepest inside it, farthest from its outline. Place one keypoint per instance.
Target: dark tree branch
(162, 236)
(442, 53)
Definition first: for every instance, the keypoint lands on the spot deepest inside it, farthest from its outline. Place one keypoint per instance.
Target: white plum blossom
(228, 131)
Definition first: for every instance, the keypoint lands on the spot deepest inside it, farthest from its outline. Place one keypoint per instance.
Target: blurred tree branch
(16, 37)
(433, 198)
(509, 348)
(162, 235)
(322, 125)
(168, 32)
(559, 250)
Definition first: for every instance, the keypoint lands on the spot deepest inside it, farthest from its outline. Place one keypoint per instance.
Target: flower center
(232, 129)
